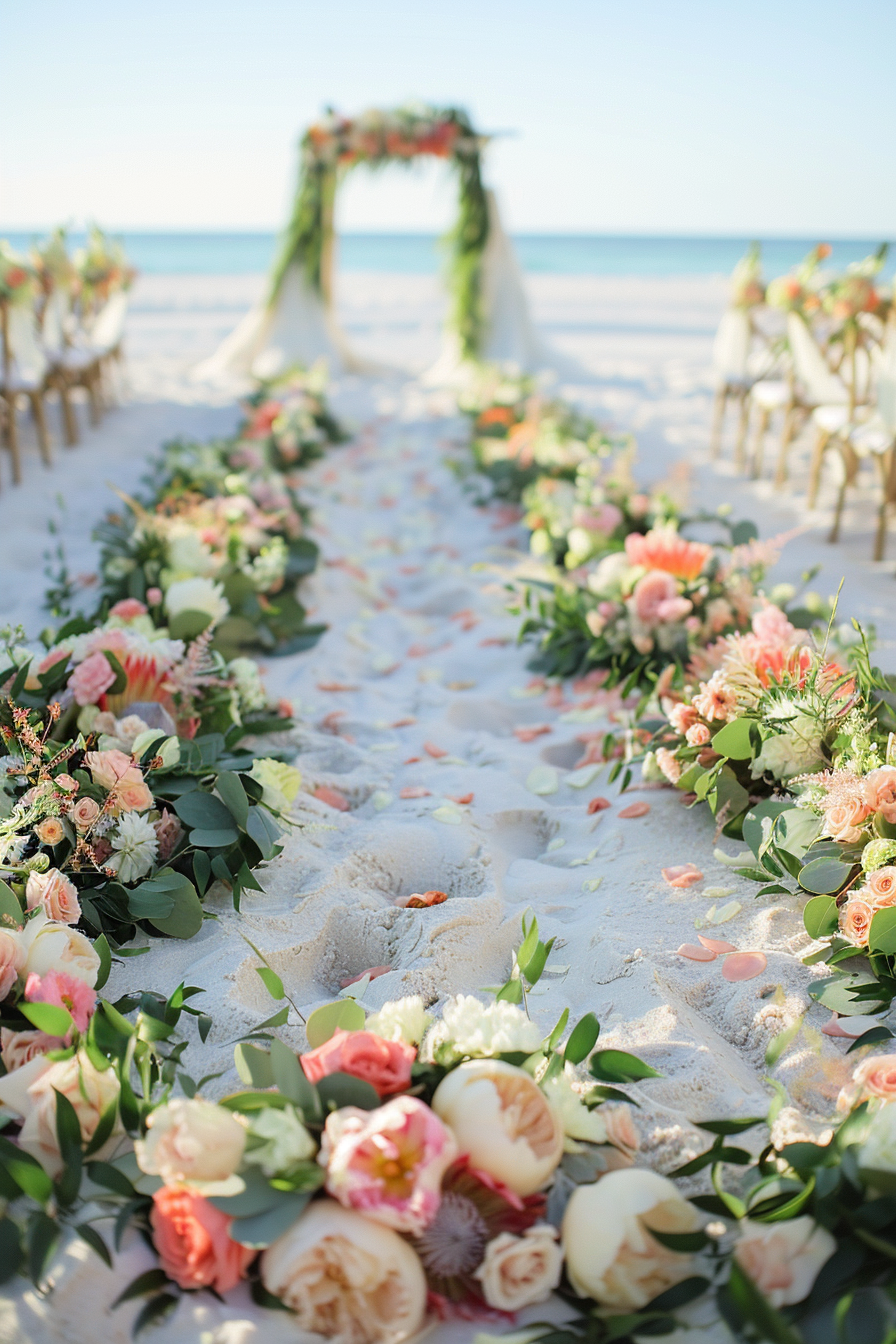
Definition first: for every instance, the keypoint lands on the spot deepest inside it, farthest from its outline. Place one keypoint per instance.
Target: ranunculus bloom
(388, 1163)
(91, 678)
(84, 813)
(191, 1140)
(783, 1259)
(123, 778)
(503, 1121)
(30, 1091)
(875, 1077)
(881, 886)
(610, 1254)
(64, 991)
(347, 1278)
(517, 1272)
(50, 831)
(697, 735)
(193, 1241)
(650, 592)
(880, 791)
(386, 1065)
(56, 894)
(12, 960)
(843, 821)
(855, 920)
(20, 1047)
(50, 946)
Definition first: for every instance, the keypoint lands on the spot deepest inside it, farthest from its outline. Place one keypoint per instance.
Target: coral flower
(63, 991)
(663, 548)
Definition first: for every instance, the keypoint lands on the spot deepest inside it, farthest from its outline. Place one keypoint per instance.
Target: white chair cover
(821, 385)
(886, 381)
(28, 363)
(731, 348)
(108, 324)
(57, 315)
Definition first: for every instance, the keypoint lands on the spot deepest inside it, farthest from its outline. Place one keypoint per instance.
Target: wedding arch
(296, 322)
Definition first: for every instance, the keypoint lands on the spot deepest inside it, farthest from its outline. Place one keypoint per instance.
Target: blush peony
(783, 1259)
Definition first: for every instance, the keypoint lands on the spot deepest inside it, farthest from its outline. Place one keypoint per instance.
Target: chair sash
(731, 348)
(26, 357)
(108, 324)
(822, 387)
(886, 381)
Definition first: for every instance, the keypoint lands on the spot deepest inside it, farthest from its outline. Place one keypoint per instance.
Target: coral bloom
(193, 1242)
(64, 991)
(388, 1163)
(663, 548)
(386, 1065)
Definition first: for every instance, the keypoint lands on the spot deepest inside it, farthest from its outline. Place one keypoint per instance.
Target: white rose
(188, 555)
(468, 1027)
(794, 752)
(503, 1121)
(168, 749)
(783, 1259)
(578, 1122)
(197, 595)
(280, 783)
(286, 1140)
(400, 1020)
(517, 1272)
(878, 1152)
(247, 678)
(191, 1140)
(55, 947)
(30, 1092)
(608, 576)
(610, 1254)
(345, 1277)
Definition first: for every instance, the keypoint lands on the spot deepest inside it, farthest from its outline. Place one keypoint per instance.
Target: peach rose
(12, 960)
(56, 895)
(843, 821)
(386, 1065)
(30, 1092)
(20, 1047)
(855, 920)
(880, 791)
(84, 813)
(881, 884)
(193, 1241)
(875, 1077)
(118, 773)
(50, 831)
(783, 1259)
(517, 1272)
(91, 679)
(697, 735)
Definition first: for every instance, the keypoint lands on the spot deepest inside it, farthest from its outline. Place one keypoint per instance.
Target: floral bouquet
(800, 291)
(375, 136)
(103, 267)
(287, 420)
(648, 608)
(18, 282)
(747, 289)
(222, 562)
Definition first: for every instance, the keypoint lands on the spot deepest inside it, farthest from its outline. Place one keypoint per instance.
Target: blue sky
(655, 116)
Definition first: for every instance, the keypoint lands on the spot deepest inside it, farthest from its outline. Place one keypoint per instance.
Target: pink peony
(388, 1163)
(386, 1065)
(650, 593)
(65, 991)
(56, 894)
(90, 679)
(128, 609)
(193, 1241)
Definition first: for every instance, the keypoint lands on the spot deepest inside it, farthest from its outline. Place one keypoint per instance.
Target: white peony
(49, 946)
(517, 1272)
(193, 1141)
(783, 1259)
(471, 1028)
(197, 594)
(285, 1140)
(400, 1020)
(135, 847)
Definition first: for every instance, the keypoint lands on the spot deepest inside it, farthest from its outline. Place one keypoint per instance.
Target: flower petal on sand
(415, 791)
(372, 972)
(598, 805)
(849, 1027)
(432, 750)
(695, 953)
(336, 686)
(543, 779)
(420, 900)
(635, 810)
(332, 797)
(462, 799)
(682, 875)
(716, 944)
(744, 965)
(530, 734)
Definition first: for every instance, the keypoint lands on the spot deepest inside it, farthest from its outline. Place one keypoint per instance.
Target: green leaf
(202, 870)
(512, 992)
(261, 1229)
(11, 1251)
(11, 916)
(144, 1283)
(188, 624)
(217, 839)
(839, 993)
(254, 1065)
(342, 1089)
(111, 1178)
(734, 740)
(820, 917)
(41, 1239)
(554, 1039)
(203, 811)
(618, 1066)
(291, 1081)
(582, 1040)
(185, 919)
(882, 934)
(824, 876)
(94, 1241)
(342, 1015)
(48, 1017)
(751, 1305)
(271, 981)
(155, 1310)
(101, 948)
(724, 1127)
(229, 786)
(779, 1043)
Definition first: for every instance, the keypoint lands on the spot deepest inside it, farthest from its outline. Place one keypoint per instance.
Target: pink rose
(64, 991)
(881, 887)
(855, 920)
(90, 679)
(388, 1163)
(697, 735)
(682, 717)
(55, 894)
(12, 959)
(128, 609)
(20, 1047)
(876, 1077)
(649, 594)
(193, 1241)
(880, 791)
(118, 773)
(84, 813)
(843, 821)
(50, 831)
(386, 1065)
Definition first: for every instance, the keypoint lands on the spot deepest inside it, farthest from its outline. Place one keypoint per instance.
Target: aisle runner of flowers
(404, 1166)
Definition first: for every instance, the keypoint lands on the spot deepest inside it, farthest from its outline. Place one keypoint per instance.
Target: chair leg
(786, 440)
(850, 467)
(885, 465)
(91, 382)
(759, 443)
(40, 424)
(12, 439)
(743, 421)
(69, 419)
(821, 442)
(718, 418)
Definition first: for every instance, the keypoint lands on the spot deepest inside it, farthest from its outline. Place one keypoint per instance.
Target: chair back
(108, 324)
(56, 320)
(26, 359)
(886, 380)
(821, 386)
(731, 347)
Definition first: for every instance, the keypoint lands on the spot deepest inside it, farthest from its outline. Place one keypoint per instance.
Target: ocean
(421, 254)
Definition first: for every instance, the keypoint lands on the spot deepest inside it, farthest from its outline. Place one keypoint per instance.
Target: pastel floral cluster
(375, 135)
(287, 423)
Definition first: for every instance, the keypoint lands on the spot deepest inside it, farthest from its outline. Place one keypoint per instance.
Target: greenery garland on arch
(334, 145)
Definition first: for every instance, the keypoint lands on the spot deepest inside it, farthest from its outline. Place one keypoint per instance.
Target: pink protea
(388, 1163)
(663, 548)
(65, 991)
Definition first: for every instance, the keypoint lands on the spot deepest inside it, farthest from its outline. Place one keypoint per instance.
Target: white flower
(49, 946)
(199, 594)
(268, 568)
(578, 1122)
(346, 1277)
(249, 687)
(280, 783)
(192, 1141)
(517, 1272)
(168, 749)
(794, 752)
(188, 555)
(468, 1027)
(286, 1140)
(878, 1152)
(135, 847)
(30, 1092)
(400, 1020)
(608, 578)
(783, 1259)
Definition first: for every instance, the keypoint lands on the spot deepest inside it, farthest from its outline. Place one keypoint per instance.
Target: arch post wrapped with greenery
(332, 147)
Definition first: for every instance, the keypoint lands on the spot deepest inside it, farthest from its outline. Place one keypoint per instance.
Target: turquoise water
(420, 254)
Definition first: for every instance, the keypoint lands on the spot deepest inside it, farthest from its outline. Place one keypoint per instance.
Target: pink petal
(372, 971)
(716, 944)
(432, 750)
(744, 965)
(683, 875)
(530, 734)
(695, 953)
(635, 810)
(462, 799)
(598, 805)
(849, 1027)
(331, 797)
(420, 900)
(415, 791)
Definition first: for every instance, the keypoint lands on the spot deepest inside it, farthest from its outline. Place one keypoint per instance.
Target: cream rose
(191, 1141)
(20, 1047)
(502, 1121)
(517, 1272)
(783, 1259)
(610, 1254)
(878, 1152)
(12, 960)
(352, 1280)
(55, 947)
(56, 895)
(30, 1092)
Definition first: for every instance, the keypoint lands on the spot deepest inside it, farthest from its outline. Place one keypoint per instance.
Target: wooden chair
(730, 358)
(73, 362)
(25, 371)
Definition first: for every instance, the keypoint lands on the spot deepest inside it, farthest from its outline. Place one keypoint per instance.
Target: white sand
(419, 554)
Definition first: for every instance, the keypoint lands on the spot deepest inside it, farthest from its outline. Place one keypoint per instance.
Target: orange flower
(663, 548)
(496, 415)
